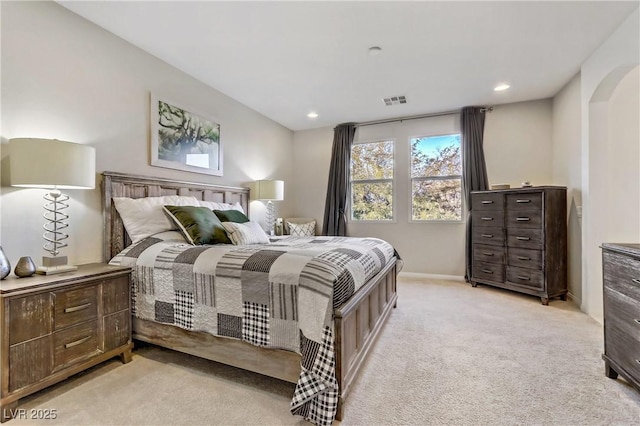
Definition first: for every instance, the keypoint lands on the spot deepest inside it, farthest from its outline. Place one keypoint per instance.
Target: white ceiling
(285, 59)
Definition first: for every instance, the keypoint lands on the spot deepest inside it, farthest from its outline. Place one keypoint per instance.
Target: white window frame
(392, 180)
(412, 179)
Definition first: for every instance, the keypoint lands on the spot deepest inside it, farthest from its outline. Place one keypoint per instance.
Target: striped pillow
(245, 233)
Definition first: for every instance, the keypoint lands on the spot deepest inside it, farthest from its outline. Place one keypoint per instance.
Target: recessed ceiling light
(312, 115)
(501, 87)
(375, 50)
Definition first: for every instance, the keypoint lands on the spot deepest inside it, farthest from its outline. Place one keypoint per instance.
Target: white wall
(517, 147)
(567, 169)
(65, 78)
(603, 71)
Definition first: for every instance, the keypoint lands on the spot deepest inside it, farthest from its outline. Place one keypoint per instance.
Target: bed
(356, 321)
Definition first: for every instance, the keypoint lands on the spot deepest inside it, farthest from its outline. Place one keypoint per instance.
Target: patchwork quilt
(278, 295)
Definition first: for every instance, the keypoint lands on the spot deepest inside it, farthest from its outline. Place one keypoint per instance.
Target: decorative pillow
(143, 217)
(245, 233)
(212, 205)
(302, 229)
(231, 216)
(198, 224)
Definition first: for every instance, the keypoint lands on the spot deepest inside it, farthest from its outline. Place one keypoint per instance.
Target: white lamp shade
(49, 163)
(270, 190)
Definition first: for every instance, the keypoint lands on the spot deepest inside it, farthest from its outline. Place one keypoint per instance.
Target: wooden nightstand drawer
(75, 343)
(116, 294)
(75, 306)
(34, 310)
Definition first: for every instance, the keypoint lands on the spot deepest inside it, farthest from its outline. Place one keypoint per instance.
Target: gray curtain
(335, 207)
(474, 169)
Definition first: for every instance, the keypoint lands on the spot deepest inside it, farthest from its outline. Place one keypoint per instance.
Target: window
(436, 178)
(372, 180)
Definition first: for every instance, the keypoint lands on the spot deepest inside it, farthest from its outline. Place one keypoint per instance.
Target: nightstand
(52, 327)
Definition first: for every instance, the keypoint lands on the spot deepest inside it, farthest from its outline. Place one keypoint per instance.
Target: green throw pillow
(231, 216)
(199, 225)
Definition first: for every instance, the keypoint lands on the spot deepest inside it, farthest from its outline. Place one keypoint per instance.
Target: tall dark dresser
(519, 239)
(621, 276)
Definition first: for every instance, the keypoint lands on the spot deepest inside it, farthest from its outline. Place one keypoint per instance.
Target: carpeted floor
(450, 354)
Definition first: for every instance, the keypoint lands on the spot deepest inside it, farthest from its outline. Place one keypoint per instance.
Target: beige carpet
(449, 355)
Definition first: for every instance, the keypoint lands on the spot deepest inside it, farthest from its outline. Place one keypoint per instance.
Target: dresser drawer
(524, 201)
(622, 274)
(488, 235)
(525, 238)
(75, 343)
(524, 219)
(75, 306)
(529, 277)
(488, 253)
(488, 218)
(623, 312)
(488, 271)
(622, 348)
(524, 258)
(487, 201)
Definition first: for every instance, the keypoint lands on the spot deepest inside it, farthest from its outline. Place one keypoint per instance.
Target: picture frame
(184, 139)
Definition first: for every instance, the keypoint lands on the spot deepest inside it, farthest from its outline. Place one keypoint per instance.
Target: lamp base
(55, 265)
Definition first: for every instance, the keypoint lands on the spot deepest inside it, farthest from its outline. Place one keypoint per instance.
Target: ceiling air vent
(395, 100)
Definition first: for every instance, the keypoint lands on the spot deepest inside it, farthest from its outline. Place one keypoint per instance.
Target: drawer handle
(487, 202)
(523, 219)
(76, 308)
(523, 238)
(486, 253)
(523, 258)
(77, 342)
(523, 201)
(520, 277)
(635, 281)
(487, 218)
(487, 235)
(487, 271)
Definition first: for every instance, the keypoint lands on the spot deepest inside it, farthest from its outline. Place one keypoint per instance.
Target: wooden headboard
(133, 186)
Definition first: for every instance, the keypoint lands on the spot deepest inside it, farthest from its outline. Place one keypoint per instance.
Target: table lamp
(52, 164)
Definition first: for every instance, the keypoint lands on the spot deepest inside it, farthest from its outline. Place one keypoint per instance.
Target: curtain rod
(416, 117)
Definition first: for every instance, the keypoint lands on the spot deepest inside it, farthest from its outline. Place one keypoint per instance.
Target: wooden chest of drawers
(519, 239)
(621, 276)
(55, 326)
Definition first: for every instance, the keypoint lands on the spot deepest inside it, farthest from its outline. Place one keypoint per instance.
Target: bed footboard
(358, 322)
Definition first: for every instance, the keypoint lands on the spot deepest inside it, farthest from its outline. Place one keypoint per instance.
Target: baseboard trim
(419, 275)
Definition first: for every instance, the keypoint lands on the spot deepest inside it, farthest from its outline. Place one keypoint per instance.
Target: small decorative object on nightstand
(5, 265)
(54, 326)
(25, 267)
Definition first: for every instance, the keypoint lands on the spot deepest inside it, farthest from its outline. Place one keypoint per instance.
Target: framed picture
(184, 140)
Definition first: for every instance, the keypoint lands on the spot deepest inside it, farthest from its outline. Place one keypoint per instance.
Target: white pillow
(212, 205)
(245, 233)
(143, 217)
(302, 229)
